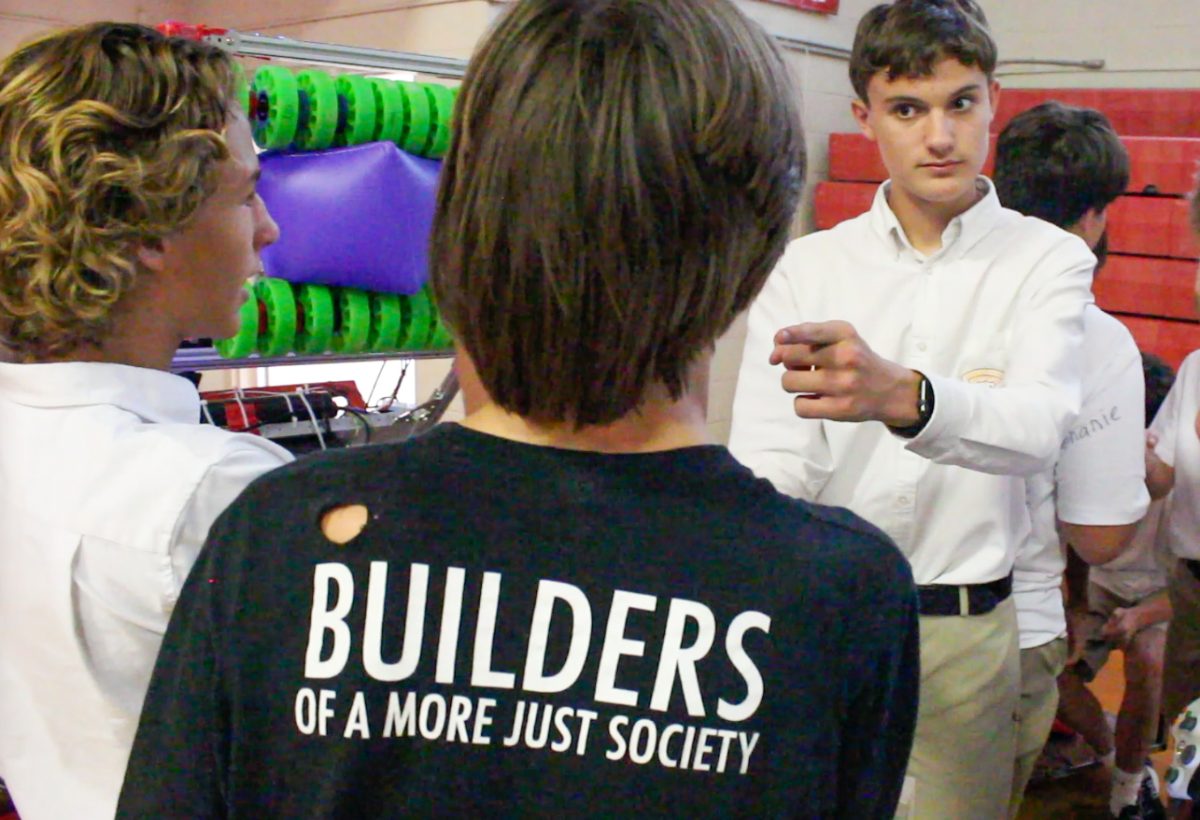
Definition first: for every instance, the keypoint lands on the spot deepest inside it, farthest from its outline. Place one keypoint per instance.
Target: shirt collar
(962, 233)
(153, 395)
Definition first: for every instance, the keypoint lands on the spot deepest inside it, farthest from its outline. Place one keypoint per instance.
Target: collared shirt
(1177, 426)
(993, 319)
(108, 485)
(1099, 480)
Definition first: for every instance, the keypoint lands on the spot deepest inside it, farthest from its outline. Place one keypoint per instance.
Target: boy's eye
(904, 110)
(964, 104)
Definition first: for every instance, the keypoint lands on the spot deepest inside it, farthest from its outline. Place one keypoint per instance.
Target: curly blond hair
(111, 134)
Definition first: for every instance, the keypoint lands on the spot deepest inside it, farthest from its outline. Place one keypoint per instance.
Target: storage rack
(286, 49)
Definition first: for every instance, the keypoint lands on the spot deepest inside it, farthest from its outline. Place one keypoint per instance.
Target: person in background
(570, 604)
(914, 365)
(1173, 466)
(128, 222)
(1066, 165)
(1123, 604)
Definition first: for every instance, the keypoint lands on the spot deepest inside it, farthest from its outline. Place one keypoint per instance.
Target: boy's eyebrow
(904, 98)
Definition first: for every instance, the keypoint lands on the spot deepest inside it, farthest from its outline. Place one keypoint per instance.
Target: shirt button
(902, 501)
(921, 346)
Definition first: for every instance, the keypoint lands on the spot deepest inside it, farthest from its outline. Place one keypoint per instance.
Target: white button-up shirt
(1099, 480)
(1177, 426)
(994, 321)
(108, 485)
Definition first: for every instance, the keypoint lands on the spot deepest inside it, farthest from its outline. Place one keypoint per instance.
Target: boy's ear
(152, 255)
(994, 96)
(862, 114)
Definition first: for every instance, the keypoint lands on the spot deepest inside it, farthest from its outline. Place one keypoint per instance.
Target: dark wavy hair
(908, 38)
(1057, 162)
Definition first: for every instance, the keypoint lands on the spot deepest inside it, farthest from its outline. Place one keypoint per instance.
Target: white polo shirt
(1100, 477)
(994, 319)
(108, 485)
(1179, 446)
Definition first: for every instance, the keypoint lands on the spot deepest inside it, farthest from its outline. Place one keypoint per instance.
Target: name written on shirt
(1092, 426)
(690, 633)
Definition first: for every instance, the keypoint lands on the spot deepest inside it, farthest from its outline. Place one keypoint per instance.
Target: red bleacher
(1151, 271)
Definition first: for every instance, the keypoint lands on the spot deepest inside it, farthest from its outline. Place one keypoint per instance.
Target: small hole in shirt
(344, 523)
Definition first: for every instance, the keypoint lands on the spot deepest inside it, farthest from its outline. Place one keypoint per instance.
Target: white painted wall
(21, 20)
(1145, 43)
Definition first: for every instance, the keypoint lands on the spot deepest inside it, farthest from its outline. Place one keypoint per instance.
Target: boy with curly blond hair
(128, 222)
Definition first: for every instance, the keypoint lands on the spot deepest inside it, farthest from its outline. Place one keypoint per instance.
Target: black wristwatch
(924, 409)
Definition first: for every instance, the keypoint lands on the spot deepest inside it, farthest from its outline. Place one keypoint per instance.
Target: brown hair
(111, 135)
(908, 38)
(623, 178)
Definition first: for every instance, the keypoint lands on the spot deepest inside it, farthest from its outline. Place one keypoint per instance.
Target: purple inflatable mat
(356, 217)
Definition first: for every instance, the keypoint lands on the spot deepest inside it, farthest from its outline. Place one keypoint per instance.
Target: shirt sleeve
(1018, 427)
(1101, 473)
(245, 459)
(176, 767)
(881, 718)
(766, 434)
(1166, 421)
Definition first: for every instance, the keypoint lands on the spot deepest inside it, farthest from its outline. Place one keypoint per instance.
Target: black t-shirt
(529, 631)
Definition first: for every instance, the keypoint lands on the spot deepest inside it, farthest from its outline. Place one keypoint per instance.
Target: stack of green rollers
(281, 318)
(310, 110)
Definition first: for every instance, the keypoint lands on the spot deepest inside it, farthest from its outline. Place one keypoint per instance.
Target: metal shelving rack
(286, 49)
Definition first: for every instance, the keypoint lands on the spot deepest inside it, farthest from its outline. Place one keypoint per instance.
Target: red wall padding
(1168, 338)
(1142, 112)
(1164, 165)
(836, 202)
(1151, 226)
(1147, 286)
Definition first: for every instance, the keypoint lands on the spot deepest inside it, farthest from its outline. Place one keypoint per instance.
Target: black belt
(967, 599)
(1193, 567)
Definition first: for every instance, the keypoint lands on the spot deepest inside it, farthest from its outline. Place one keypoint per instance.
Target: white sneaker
(1181, 777)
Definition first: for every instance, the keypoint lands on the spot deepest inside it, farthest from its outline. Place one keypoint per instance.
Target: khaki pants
(962, 759)
(1040, 668)
(1181, 660)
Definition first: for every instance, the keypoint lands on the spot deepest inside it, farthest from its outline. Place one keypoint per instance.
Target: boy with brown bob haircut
(570, 604)
(955, 323)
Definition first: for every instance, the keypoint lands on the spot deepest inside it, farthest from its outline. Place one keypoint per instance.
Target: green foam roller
(315, 331)
(391, 107)
(278, 336)
(245, 341)
(420, 322)
(387, 322)
(420, 118)
(319, 125)
(352, 325)
(276, 126)
(441, 100)
(356, 98)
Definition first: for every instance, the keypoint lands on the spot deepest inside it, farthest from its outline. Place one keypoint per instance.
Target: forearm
(1154, 610)
(1160, 477)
